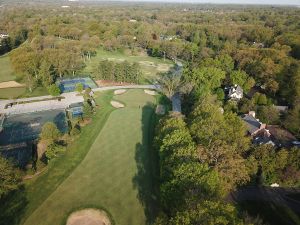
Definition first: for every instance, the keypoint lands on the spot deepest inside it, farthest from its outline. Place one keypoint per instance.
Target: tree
(50, 132)
(171, 84)
(207, 212)
(204, 79)
(10, 178)
(229, 164)
(54, 90)
(242, 79)
(268, 114)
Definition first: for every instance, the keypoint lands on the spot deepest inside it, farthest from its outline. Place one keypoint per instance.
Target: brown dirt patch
(10, 84)
(88, 217)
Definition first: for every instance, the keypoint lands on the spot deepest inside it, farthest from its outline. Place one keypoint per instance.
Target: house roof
(236, 90)
(253, 124)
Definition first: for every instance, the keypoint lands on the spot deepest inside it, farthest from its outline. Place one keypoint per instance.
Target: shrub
(53, 151)
(53, 90)
(79, 87)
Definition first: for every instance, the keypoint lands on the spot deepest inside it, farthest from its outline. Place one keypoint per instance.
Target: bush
(53, 90)
(79, 87)
(53, 151)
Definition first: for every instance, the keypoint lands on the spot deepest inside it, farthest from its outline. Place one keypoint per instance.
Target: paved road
(69, 98)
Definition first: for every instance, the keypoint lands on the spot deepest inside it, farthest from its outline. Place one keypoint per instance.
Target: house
(254, 126)
(235, 92)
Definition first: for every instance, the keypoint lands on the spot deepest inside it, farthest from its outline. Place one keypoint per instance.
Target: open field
(150, 66)
(6, 71)
(111, 173)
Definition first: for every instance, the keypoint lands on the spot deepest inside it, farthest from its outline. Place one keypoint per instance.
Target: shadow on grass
(12, 207)
(146, 178)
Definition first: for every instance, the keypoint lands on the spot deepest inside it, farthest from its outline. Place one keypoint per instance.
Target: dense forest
(204, 154)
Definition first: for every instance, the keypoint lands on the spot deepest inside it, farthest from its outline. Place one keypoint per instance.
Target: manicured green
(6, 71)
(150, 66)
(116, 173)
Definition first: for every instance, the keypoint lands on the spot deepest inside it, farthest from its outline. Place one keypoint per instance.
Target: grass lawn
(12, 93)
(115, 174)
(150, 66)
(21, 92)
(6, 71)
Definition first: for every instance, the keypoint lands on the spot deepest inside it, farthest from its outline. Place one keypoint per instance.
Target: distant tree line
(13, 41)
(118, 71)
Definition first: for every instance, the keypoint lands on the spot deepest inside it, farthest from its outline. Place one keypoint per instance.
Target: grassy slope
(6, 71)
(115, 174)
(149, 70)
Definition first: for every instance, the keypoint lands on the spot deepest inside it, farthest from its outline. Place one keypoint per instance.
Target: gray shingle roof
(252, 124)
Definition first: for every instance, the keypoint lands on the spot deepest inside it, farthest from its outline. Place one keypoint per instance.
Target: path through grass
(116, 173)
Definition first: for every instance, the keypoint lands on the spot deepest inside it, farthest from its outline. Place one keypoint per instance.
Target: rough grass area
(6, 71)
(150, 66)
(116, 172)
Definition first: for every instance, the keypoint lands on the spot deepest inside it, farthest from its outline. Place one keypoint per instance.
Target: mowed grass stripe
(106, 176)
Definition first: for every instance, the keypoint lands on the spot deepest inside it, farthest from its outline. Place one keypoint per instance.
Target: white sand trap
(160, 110)
(149, 92)
(10, 84)
(117, 104)
(88, 217)
(119, 92)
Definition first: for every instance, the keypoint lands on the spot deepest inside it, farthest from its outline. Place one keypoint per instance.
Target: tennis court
(69, 85)
(27, 127)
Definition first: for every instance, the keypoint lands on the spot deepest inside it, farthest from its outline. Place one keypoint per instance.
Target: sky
(267, 2)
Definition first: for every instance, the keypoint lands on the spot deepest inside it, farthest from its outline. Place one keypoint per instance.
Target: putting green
(116, 173)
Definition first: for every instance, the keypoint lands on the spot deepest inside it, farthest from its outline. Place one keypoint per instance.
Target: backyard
(97, 170)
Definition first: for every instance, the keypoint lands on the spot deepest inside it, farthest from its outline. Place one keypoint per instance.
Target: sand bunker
(10, 84)
(149, 92)
(119, 92)
(88, 217)
(160, 110)
(117, 104)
